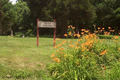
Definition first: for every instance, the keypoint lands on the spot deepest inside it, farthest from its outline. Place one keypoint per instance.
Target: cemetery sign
(46, 24)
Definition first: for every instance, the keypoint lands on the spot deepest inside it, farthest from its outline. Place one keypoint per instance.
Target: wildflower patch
(85, 59)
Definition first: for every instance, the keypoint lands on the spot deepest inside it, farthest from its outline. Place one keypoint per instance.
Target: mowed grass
(19, 53)
(22, 53)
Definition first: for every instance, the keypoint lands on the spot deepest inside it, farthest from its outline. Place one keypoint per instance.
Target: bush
(18, 34)
(29, 33)
(77, 63)
(87, 59)
(105, 36)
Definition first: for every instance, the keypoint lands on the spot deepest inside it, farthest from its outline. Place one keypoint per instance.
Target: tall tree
(82, 13)
(77, 12)
(105, 12)
(117, 14)
(36, 11)
(12, 15)
(117, 18)
(5, 11)
(21, 13)
(59, 10)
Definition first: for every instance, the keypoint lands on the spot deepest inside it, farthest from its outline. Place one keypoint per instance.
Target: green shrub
(105, 36)
(18, 34)
(78, 62)
(29, 33)
(87, 59)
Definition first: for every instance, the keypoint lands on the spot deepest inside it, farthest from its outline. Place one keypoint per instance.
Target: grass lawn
(22, 53)
(20, 58)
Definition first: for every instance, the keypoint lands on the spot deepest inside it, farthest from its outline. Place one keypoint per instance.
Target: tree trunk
(2, 30)
(77, 25)
(11, 32)
(63, 26)
(11, 29)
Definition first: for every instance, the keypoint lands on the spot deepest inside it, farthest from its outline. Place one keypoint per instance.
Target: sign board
(45, 24)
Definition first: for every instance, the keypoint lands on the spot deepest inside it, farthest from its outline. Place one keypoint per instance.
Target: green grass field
(20, 58)
(22, 53)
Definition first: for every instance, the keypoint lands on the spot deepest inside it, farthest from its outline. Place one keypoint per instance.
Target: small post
(54, 36)
(37, 33)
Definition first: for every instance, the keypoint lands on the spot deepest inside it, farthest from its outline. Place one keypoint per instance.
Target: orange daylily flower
(61, 49)
(113, 30)
(64, 41)
(82, 32)
(82, 29)
(75, 35)
(70, 33)
(87, 56)
(55, 59)
(86, 31)
(65, 55)
(65, 35)
(119, 48)
(77, 63)
(54, 41)
(57, 51)
(77, 47)
(53, 55)
(103, 52)
(116, 37)
(98, 27)
(104, 67)
(110, 30)
(70, 42)
(71, 45)
(76, 43)
(78, 35)
(61, 53)
(82, 55)
(109, 27)
(103, 28)
(79, 39)
(82, 49)
(55, 46)
(96, 31)
(68, 26)
(58, 60)
(73, 27)
(58, 39)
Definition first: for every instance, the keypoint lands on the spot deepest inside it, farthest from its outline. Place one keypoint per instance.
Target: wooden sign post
(46, 24)
(37, 33)
(54, 35)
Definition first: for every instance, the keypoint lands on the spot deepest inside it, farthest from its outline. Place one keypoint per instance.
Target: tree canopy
(22, 16)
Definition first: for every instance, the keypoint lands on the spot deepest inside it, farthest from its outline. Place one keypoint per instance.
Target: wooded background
(21, 18)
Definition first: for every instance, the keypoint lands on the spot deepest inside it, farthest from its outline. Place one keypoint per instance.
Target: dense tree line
(21, 17)
(13, 17)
